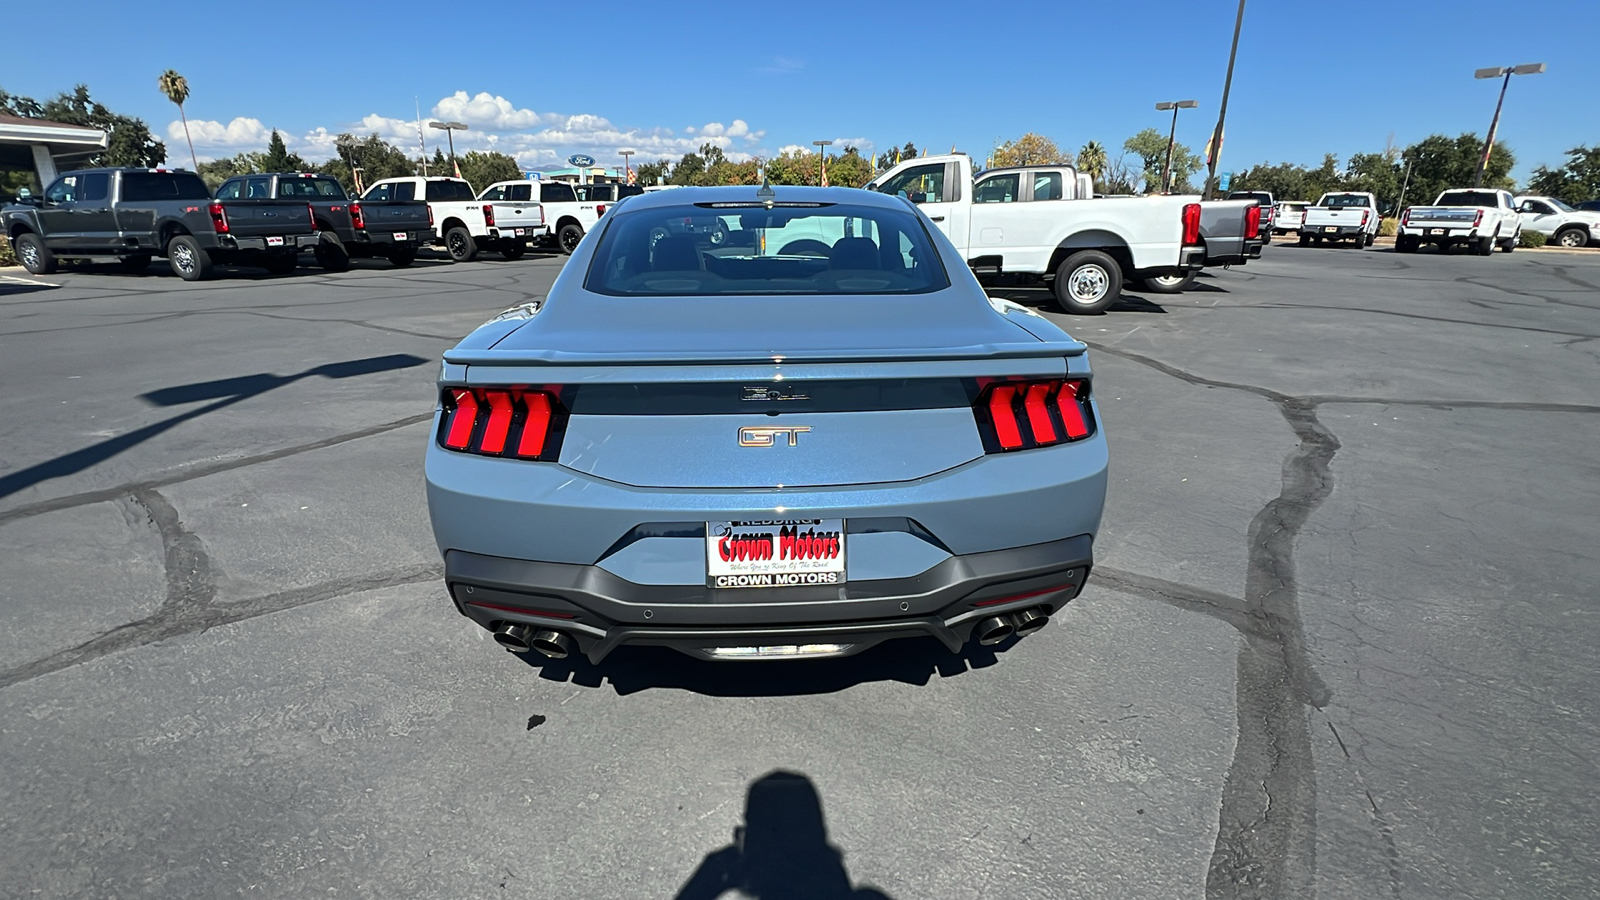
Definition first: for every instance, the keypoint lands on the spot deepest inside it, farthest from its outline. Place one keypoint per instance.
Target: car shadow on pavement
(225, 392)
(1041, 299)
(781, 852)
(633, 669)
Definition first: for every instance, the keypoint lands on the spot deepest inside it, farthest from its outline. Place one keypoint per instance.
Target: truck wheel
(1510, 243)
(513, 249)
(34, 255)
(1567, 237)
(1087, 282)
(569, 237)
(134, 264)
(281, 263)
(1405, 243)
(1485, 245)
(1371, 239)
(1169, 284)
(462, 248)
(1266, 238)
(188, 259)
(331, 254)
(1360, 243)
(1305, 239)
(403, 256)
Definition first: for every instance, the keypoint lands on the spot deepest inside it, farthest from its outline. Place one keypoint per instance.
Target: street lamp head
(1187, 104)
(448, 126)
(1528, 69)
(823, 143)
(1493, 72)
(1177, 104)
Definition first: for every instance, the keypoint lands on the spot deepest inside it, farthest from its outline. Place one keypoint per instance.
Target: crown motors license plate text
(774, 553)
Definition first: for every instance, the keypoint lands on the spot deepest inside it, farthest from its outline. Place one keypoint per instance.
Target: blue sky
(548, 81)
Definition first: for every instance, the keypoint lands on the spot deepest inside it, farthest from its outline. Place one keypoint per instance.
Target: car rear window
(449, 190)
(1468, 198)
(146, 186)
(1343, 201)
(309, 187)
(557, 193)
(701, 250)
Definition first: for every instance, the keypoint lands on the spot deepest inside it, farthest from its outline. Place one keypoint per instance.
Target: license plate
(774, 553)
(1433, 231)
(517, 232)
(274, 242)
(401, 235)
(1331, 228)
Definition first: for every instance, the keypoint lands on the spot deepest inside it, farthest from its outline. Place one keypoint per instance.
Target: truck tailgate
(396, 216)
(1451, 216)
(517, 214)
(268, 218)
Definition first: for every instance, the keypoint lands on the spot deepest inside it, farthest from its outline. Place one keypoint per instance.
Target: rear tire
(1087, 282)
(1305, 239)
(460, 245)
(188, 259)
(1371, 239)
(1486, 245)
(1405, 243)
(400, 257)
(569, 237)
(513, 249)
(281, 263)
(34, 255)
(331, 254)
(1169, 284)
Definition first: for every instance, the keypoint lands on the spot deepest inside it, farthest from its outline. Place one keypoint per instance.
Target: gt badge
(768, 436)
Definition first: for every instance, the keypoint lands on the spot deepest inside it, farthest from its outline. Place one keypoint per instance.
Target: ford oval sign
(581, 161)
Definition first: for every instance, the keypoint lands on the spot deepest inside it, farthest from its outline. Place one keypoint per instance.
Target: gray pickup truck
(369, 227)
(132, 215)
(1230, 230)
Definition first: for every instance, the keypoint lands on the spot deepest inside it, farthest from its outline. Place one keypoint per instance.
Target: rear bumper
(289, 242)
(530, 233)
(1439, 233)
(412, 236)
(601, 611)
(1334, 231)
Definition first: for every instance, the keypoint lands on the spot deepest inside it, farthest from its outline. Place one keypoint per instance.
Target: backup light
(778, 651)
(1020, 415)
(510, 422)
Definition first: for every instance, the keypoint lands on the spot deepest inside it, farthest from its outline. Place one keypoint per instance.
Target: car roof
(747, 193)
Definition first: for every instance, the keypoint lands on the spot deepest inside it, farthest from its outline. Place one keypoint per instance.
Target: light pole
(627, 173)
(1222, 114)
(1494, 125)
(822, 156)
(1172, 136)
(449, 129)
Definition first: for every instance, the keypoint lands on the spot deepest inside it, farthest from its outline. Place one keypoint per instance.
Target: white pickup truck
(568, 216)
(1481, 218)
(1341, 216)
(1043, 223)
(1563, 225)
(462, 223)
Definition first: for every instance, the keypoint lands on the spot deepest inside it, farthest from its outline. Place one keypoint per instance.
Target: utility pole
(1222, 114)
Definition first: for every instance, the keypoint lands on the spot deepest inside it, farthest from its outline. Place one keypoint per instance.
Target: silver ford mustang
(764, 424)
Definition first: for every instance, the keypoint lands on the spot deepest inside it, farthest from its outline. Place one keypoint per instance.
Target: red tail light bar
(311, 215)
(1252, 223)
(1365, 215)
(430, 215)
(1478, 219)
(358, 219)
(600, 209)
(1019, 415)
(1405, 217)
(523, 423)
(219, 218)
(488, 215)
(1191, 223)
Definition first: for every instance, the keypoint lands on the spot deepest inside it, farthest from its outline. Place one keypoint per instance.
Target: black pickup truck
(368, 227)
(132, 215)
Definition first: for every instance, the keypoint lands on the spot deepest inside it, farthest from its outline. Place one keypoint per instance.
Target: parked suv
(132, 215)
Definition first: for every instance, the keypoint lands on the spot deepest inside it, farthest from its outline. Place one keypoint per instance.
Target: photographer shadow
(780, 853)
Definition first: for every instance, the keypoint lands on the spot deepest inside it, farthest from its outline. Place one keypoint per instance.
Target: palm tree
(176, 87)
(1092, 160)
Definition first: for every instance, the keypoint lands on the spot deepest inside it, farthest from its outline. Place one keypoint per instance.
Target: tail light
(488, 215)
(600, 209)
(358, 219)
(1191, 223)
(1018, 415)
(1252, 223)
(512, 422)
(311, 216)
(1365, 214)
(1302, 217)
(430, 215)
(1478, 219)
(219, 218)
(1405, 217)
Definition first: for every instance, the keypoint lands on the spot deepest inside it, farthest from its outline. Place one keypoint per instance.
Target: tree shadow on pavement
(225, 392)
(633, 669)
(780, 853)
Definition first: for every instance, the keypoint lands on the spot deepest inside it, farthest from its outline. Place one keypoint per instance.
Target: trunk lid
(261, 218)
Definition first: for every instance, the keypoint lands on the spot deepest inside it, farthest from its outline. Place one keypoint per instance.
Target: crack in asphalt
(200, 471)
(190, 605)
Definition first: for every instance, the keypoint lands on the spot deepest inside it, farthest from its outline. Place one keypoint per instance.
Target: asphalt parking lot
(1340, 642)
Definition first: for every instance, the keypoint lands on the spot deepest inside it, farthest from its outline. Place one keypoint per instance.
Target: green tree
(279, 159)
(1150, 146)
(376, 157)
(1029, 150)
(1092, 161)
(653, 172)
(215, 172)
(1324, 179)
(1439, 162)
(439, 165)
(130, 142)
(1377, 173)
(482, 169)
(1576, 181)
(176, 87)
(1285, 181)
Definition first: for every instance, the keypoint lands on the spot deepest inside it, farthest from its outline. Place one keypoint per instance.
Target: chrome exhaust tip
(516, 638)
(993, 630)
(553, 644)
(1030, 620)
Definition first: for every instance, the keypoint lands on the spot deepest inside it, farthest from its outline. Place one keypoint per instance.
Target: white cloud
(242, 133)
(786, 149)
(487, 110)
